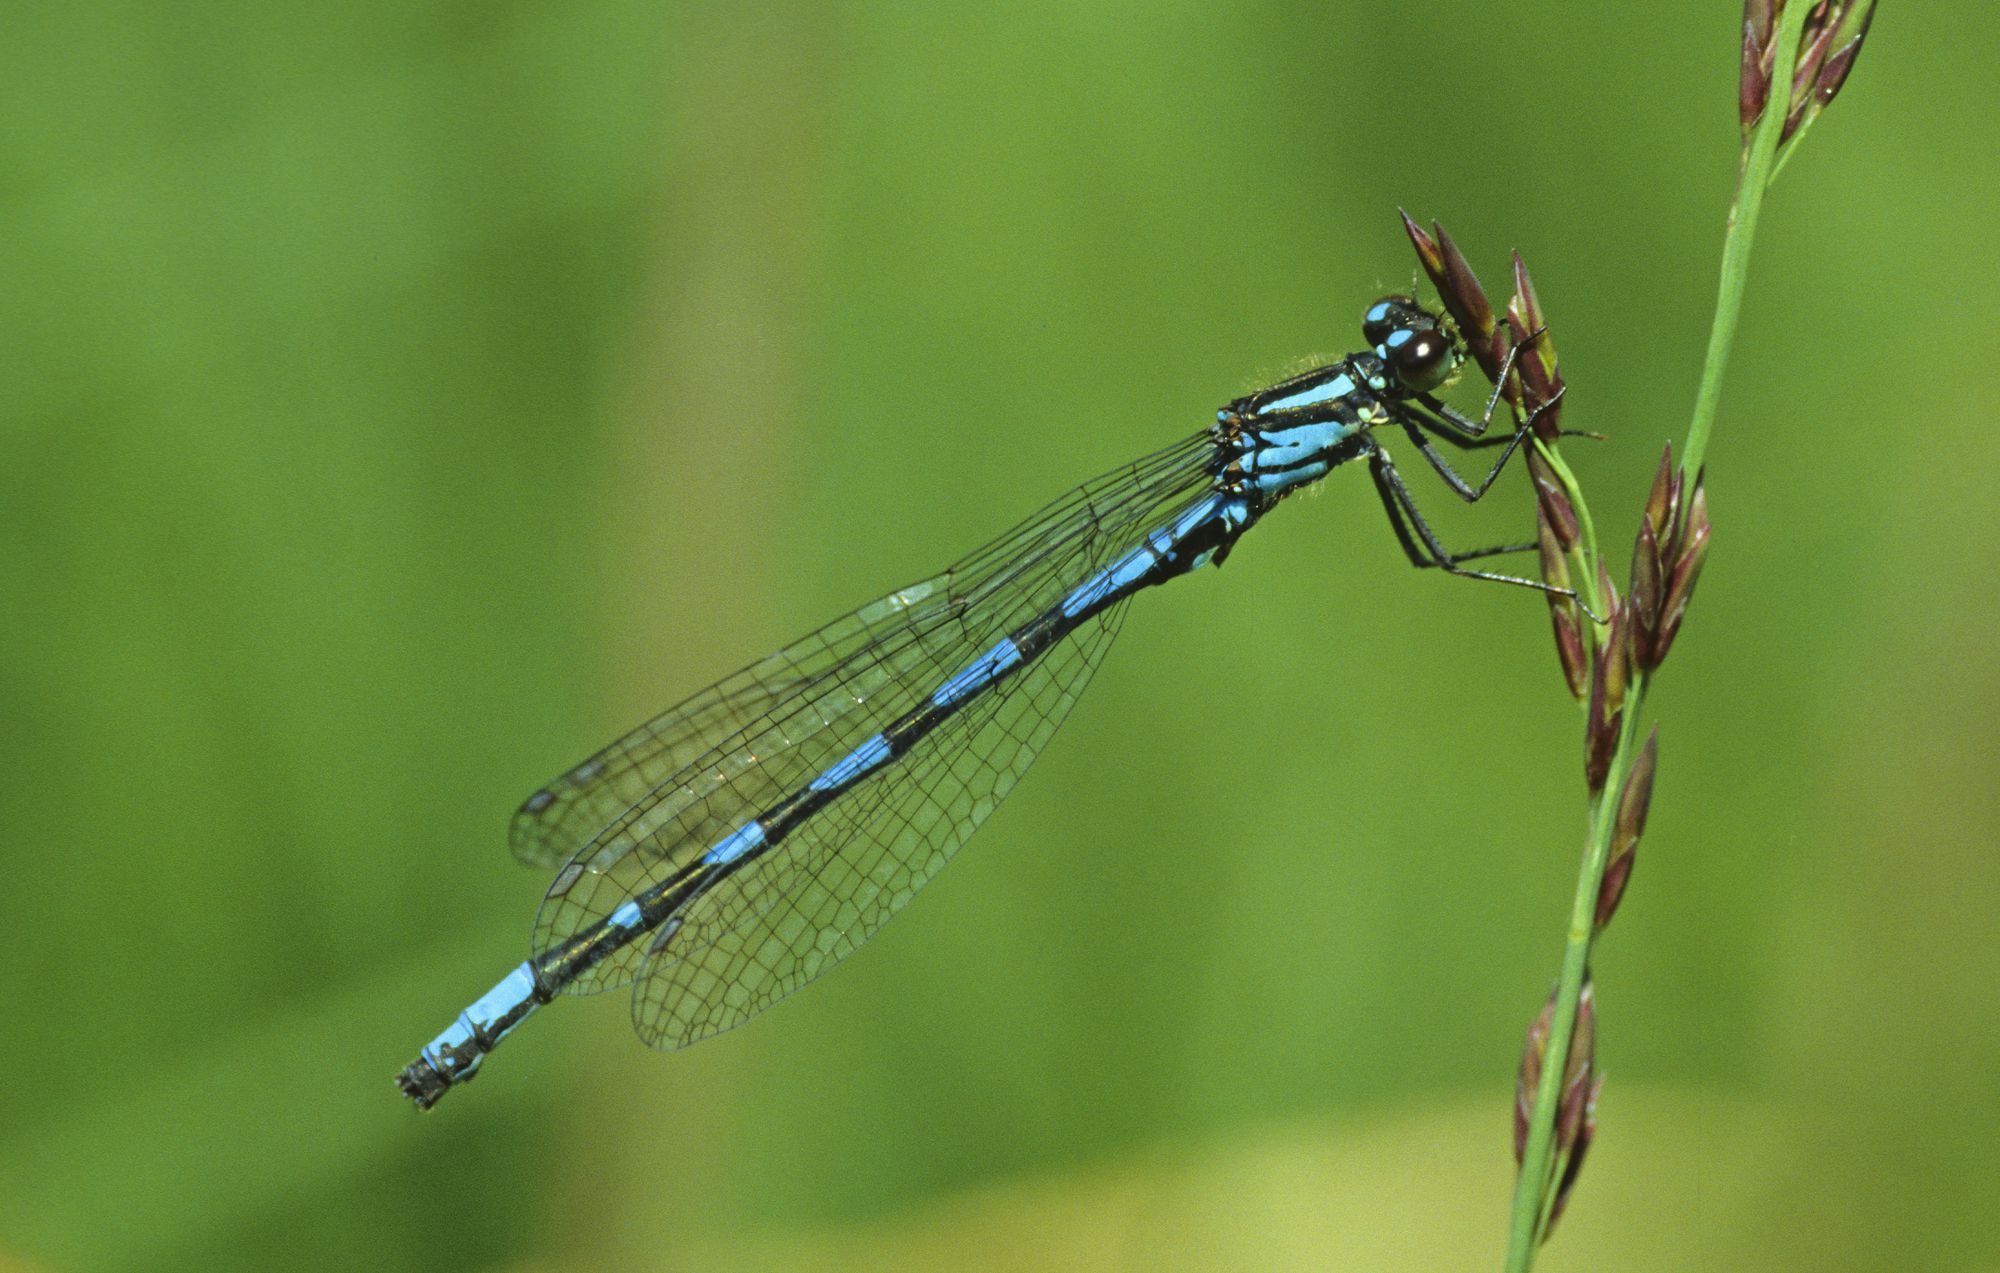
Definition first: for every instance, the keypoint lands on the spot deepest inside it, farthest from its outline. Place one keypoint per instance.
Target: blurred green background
(401, 399)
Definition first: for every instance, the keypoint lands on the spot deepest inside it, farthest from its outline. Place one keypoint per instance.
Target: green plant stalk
(1752, 181)
(1533, 1195)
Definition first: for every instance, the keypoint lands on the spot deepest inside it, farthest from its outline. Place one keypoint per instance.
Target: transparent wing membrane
(836, 880)
(573, 808)
(658, 799)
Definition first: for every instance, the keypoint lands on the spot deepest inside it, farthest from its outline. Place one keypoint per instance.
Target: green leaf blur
(398, 400)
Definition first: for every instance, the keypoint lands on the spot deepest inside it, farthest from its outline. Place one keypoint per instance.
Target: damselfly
(733, 848)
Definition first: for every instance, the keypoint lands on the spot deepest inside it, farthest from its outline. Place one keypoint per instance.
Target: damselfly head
(1416, 343)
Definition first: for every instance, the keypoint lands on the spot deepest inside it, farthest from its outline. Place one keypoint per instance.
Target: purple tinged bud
(1539, 381)
(1812, 55)
(1466, 300)
(1601, 718)
(1671, 545)
(1833, 36)
(1534, 1050)
(1610, 890)
(1600, 731)
(1527, 306)
(1829, 42)
(1573, 1167)
(1615, 658)
(1663, 499)
(1804, 72)
(1538, 365)
(1555, 568)
(1427, 248)
(1569, 648)
(1562, 610)
(1759, 19)
(1636, 798)
(1646, 591)
(1526, 303)
(1693, 552)
(1578, 1070)
(1840, 61)
(1608, 678)
(1464, 285)
(1633, 801)
(1553, 501)
(1576, 1116)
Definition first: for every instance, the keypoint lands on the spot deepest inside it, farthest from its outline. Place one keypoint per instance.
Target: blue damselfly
(733, 848)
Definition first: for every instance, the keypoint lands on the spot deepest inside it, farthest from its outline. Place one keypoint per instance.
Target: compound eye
(1381, 319)
(1420, 357)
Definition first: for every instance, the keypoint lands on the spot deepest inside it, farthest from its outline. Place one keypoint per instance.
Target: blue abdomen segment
(1161, 555)
(744, 839)
(853, 765)
(1003, 658)
(1111, 582)
(454, 1056)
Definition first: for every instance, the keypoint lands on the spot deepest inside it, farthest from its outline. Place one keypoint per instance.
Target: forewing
(840, 687)
(569, 811)
(566, 813)
(835, 880)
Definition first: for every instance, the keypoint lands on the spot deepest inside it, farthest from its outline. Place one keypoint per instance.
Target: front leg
(1414, 423)
(1399, 505)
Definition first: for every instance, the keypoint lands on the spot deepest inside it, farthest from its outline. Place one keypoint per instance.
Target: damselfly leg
(1423, 548)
